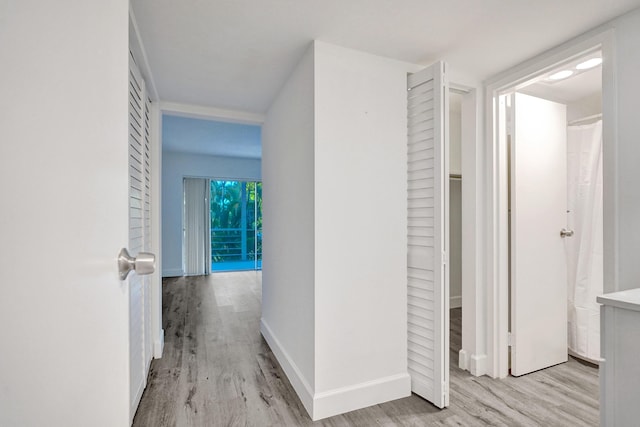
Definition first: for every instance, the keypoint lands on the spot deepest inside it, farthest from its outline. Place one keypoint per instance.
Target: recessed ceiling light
(561, 75)
(590, 63)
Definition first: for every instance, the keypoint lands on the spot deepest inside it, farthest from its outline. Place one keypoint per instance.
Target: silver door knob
(144, 263)
(566, 233)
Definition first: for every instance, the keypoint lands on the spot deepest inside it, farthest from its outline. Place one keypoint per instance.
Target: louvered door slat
(427, 235)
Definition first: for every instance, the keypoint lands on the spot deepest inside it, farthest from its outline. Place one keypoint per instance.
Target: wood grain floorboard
(217, 370)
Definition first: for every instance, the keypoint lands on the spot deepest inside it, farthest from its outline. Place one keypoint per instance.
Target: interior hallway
(218, 371)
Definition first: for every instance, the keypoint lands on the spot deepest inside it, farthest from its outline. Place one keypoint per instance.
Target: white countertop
(629, 299)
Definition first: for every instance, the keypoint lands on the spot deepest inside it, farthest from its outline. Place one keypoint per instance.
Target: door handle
(144, 263)
(566, 233)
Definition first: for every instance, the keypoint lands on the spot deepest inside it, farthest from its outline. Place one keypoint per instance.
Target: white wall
(63, 183)
(288, 225)
(360, 211)
(334, 277)
(176, 166)
(627, 63)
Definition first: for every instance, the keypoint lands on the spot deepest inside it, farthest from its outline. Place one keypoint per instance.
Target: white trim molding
(211, 113)
(156, 228)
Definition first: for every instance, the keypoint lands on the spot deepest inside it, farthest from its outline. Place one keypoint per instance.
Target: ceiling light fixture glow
(561, 75)
(590, 63)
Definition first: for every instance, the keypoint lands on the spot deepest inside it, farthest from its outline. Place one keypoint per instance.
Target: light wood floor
(218, 371)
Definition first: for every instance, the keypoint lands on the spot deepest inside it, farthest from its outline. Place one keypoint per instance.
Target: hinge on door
(445, 258)
(509, 339)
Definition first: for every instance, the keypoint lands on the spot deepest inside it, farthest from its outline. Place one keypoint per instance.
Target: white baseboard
(297, 380)
(174, 272)
(341, 400)
(478, 364)
(358, 396)
(158, 345)
(463, 360)
(455, 302)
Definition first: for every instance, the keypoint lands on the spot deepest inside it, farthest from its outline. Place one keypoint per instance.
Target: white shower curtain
(584, 249)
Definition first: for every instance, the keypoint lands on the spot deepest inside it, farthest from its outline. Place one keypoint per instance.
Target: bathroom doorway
(536, 320)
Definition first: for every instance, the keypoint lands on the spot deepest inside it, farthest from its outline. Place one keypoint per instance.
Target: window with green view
(236, 225)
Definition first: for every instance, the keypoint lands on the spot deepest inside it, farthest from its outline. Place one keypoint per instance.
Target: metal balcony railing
(235, 244)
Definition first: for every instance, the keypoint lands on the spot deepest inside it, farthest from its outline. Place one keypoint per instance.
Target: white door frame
(472, 354)
(156, 229)
(496, 177)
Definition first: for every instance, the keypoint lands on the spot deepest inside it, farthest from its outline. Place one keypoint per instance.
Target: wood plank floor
(218, 371)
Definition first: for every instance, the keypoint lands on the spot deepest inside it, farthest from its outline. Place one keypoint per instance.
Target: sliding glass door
(236, 225)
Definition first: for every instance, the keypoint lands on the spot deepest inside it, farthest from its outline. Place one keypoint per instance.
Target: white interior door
(63, 168)
(538, 214)
(140, 342)
(428, 234)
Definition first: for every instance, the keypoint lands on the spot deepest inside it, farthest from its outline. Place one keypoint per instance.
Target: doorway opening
(553, 132)
(464, 213)
(199, 150)
(547, 223)
(456, 117)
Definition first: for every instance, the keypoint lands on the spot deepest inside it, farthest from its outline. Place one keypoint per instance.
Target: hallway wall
(361, 225)
(288, 311)
(334, 288)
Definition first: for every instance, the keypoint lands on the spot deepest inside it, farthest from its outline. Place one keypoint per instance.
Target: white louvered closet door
(139, 232)
(428, 234)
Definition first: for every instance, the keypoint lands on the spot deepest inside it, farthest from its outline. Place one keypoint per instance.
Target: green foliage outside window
(236, 221)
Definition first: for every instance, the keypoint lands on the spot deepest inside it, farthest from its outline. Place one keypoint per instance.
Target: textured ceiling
(236, 54)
